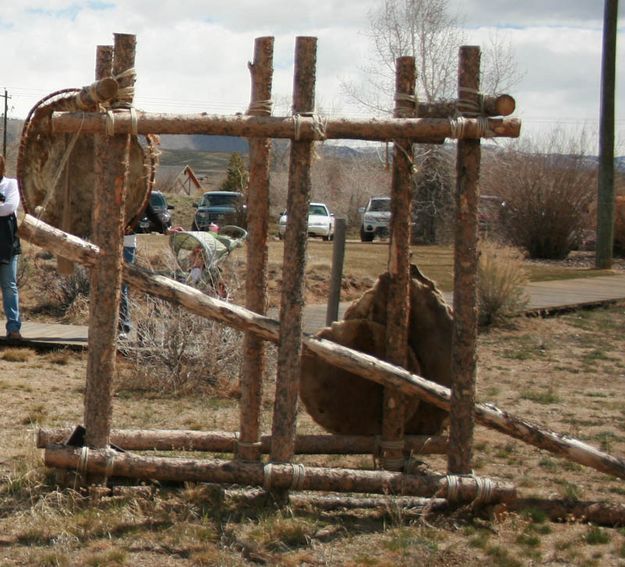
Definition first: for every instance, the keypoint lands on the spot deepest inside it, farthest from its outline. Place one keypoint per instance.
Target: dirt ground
(566, 373)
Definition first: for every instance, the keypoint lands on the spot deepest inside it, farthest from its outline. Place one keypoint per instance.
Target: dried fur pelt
(345, 403)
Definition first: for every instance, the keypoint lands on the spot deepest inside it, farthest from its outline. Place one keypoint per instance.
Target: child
(196, 259)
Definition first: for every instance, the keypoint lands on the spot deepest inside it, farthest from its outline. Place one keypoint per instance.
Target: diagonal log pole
(368, 367)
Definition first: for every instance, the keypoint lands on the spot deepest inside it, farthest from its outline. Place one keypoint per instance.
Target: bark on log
(196, 302)
(464, 343)
(104, 89)
(284, 423)
(304, 128)
(111, 463)
(253, 366)
(419, 506)
(111, 166)
(398, 299)
(227, 442)
(501, 105)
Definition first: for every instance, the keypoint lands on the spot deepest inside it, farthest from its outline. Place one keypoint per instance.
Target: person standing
(9, 251)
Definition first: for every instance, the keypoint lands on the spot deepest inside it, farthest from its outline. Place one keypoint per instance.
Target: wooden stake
(108, 221)
(368, 367)
(464, 357)
(292, 299)
(253, 368)
(398, 305)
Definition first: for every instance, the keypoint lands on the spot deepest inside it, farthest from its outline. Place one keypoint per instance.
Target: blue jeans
(124, 302)
(10, 295)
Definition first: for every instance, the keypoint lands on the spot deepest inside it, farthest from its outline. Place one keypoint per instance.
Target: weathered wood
(398, 299)
(111, 166)
(254, 363)
(284, 423)
(305, 128)
(226, 442)
(277, 476)
(102, 90)
(609, 514)
(407, 504)
(464, 349)
(196, 302)
(500, 105)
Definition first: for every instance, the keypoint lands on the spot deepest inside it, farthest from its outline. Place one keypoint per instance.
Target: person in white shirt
(9, 251)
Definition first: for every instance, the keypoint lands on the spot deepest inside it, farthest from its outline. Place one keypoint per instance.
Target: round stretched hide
(345, 403)
(56, 172)
(338, 400)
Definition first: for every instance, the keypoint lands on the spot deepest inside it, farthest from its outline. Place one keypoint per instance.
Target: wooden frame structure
(468, 119)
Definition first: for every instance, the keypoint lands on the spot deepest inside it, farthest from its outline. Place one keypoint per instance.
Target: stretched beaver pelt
(345, 403)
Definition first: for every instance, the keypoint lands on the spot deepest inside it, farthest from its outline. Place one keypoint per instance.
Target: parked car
(159, 204)
(220, 208)
(376, 218)
(320, 222)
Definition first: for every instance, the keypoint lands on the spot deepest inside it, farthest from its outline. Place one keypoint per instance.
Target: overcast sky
(192, 54)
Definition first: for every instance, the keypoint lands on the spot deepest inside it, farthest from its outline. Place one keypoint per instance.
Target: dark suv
(220, 208)
(161, 208)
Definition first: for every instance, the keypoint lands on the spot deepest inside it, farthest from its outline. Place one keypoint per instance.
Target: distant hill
(218, 144)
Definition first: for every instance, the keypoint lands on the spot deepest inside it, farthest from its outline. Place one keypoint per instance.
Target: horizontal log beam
(500, 105)
(300, 128)
(226, 442)
(110, 463)
(364, 365)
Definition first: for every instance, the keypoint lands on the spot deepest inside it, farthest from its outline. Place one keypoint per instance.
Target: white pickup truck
(376, 218)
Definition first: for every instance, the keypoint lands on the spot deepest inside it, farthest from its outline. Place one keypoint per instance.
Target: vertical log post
(253, 368)
(284, 424)
(464, 359)
(398, 302)
(111, 166)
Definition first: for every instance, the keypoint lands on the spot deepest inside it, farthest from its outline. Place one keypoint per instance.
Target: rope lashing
(459, 124)
(470, 107)
(319, 125)
(125, 94)
(134, 122)
(260, 107)
(83, 460)
(453, 487)
(110, 462)
(406, 105)
(485, 489)
(299, 475)
(267, 470)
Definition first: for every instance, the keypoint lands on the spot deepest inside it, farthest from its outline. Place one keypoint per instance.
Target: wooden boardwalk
(544, 297)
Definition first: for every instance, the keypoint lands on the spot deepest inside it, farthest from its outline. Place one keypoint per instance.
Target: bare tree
(432, 34)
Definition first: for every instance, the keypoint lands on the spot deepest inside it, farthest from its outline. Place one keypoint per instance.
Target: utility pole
(4, 129)
(605, 196)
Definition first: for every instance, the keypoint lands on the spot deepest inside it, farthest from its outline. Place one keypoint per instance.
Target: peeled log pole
(304, 128)
(226, 442)
(111, 167)
(398, 300)
(368, 367)
(253, 367)
(464, 342)
(284, 422)
(111, 463)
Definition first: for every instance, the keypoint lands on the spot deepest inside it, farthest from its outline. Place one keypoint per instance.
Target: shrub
(548, 191)
(501, 283)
